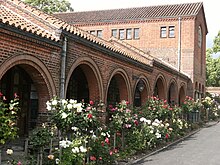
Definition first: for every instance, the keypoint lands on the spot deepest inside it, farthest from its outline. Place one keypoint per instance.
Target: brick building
(156, 51)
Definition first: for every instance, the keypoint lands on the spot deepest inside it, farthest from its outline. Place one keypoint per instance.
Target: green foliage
(216, 46)
(213, 64)
(51, 6)
(8, 119)
(40, 137)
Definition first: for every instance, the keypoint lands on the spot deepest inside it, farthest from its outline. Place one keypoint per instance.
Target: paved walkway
(202, 148)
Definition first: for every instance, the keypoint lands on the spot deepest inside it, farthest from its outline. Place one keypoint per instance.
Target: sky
(211, 10)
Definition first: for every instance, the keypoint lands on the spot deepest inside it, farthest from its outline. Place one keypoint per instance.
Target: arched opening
(196, 91)
(17, 80)
(172, 94)
(182, 95)
(83, 85)
(78, 86)
(141, 93)
(159, 90)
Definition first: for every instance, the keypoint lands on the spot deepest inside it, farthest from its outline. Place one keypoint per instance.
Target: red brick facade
(104, 64)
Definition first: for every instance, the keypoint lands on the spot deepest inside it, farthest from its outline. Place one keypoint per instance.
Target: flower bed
(76, 134)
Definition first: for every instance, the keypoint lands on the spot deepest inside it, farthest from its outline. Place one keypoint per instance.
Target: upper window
(163, 32)
(121, 34)
(114, 33)
(92, 32)
(171, 31)
(128, 34)
(99, 33)
(200, 37)
(136, 33)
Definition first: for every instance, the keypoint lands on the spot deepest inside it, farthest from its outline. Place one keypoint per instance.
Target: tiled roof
(137, 13)
(29, 19)
(18, 14)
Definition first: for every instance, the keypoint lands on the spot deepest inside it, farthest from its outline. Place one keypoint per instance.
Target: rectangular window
(114, 33)
(99, 33)
(163, 32)
(92, 32)
(128, 34)
(136, 33)
(171, 31)
(121, 34)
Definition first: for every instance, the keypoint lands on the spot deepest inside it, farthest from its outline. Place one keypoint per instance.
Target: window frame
(171, 31)
(136, 34)
(116, 33)
(98, 33)
(129, 37)
(163, 32)
(121, 34)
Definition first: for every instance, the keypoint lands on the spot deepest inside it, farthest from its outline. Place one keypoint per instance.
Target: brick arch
(39, 74)
(124, 85)
(146, 92)
(172, 94)
(160, 87)
(92, 74)
(182, 93)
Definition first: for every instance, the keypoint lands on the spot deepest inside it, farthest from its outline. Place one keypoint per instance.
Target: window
(163, 32)
(114, 33)
(128, 34)
(136, 33)
(121, 34)
(200, 36)
(99, 33)
(171, 31)
(92, 32)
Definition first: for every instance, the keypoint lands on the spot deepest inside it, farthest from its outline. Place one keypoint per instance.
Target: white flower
(103, 134)
(54, 102)
(108, 135)
(65, 143)
(158, 135)
(142, 119)
(74, 128)
(75, 150)
(69, 106)
(155, 124)
(82, 149)
(72, 101)
(94, 137)
(57, 161)
(9, 151)
(63, 115)
(63, 101)
(91, 131)
(167, 125)
(48, 106)
(78, 107)
(151, 131)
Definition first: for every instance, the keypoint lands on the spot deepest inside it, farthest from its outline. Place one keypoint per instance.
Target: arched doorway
(78, 86)
(141, 93)
(182, 95)
(17, 80)
(159, 89)
(83, 84)
(172, 94)
(117, 90)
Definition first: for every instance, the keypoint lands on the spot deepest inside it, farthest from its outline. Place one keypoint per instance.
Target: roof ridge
(137, 7)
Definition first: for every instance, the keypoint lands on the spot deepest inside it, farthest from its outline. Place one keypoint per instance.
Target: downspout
(63, 68)
(179, 45)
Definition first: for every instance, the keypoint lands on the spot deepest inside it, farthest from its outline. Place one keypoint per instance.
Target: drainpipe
(179, 46)
(63, 68)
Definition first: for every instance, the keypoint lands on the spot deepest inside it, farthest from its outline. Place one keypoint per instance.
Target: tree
(216, 46)
(51, 6)
(213, 64)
